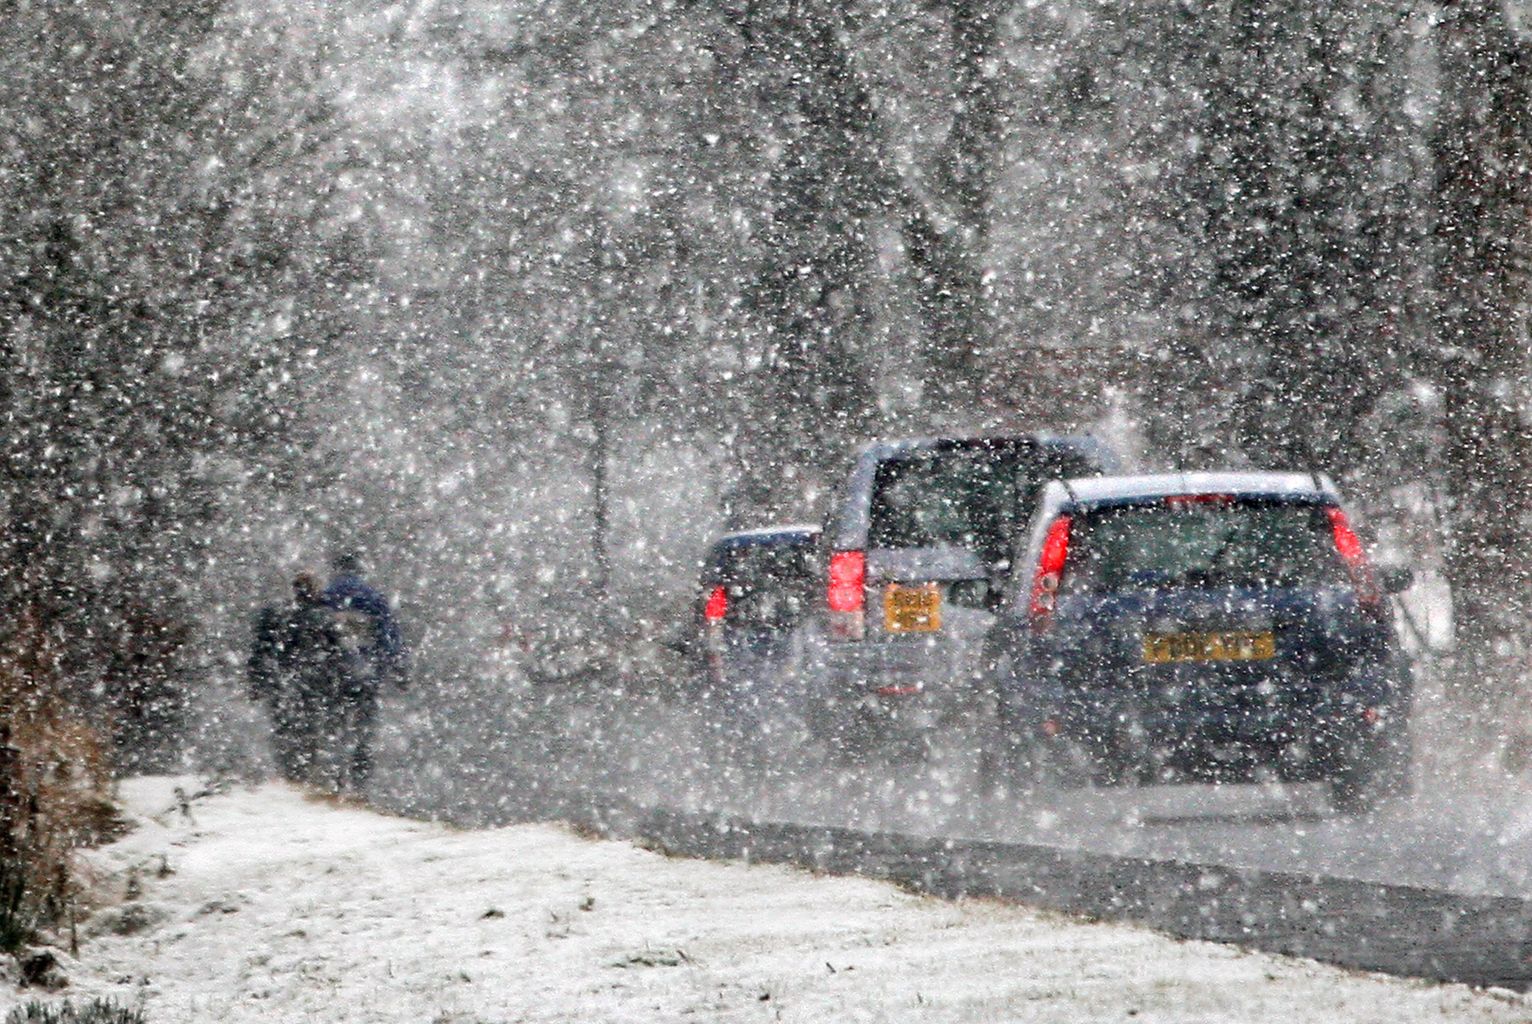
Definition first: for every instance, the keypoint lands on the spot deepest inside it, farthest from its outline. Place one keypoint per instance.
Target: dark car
(1202, 626)
(754, 589)
(914, 535)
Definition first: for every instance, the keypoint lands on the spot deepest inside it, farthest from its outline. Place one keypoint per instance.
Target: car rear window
(1208, 544)
(961, 495)
(774, 562)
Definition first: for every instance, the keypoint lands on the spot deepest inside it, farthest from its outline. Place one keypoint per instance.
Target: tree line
(372, 269)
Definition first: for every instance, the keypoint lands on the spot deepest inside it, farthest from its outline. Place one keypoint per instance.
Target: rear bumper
(909, 683)
(1325, 722)
(744, 659)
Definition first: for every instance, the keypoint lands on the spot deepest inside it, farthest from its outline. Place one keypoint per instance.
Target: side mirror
(1396, 579)
(678, 639)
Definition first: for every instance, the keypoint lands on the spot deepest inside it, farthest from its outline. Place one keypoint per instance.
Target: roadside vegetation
(97, 1011)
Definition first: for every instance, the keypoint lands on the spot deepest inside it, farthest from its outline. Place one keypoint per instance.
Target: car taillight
(1350, 547)
(848, 581)
(847, 594)
(1050, 572)
(1195, 500)
(717, 605)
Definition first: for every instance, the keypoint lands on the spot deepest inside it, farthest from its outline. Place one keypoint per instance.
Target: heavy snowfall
(1074, 429)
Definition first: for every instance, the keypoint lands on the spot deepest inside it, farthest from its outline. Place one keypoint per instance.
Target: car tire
(1369, 776)
(1517, 757)
(992, 774)
(849, 740)
(1354, 793)
(1004, 767)
(1397, 776)
(1007, 763)
(1064, 764)
(914, 750)
(1125, 759)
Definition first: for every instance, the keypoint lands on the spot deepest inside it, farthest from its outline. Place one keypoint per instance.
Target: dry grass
(54, 779)
(350, 801)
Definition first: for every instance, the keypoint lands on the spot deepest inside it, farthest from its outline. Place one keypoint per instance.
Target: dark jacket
(261, 668)
(313, 660)
(382, 650)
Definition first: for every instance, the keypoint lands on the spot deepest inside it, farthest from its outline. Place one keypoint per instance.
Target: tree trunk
(1483, 207)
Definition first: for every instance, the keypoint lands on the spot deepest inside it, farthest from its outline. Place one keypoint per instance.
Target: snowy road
(275, 907)
(1467, 829)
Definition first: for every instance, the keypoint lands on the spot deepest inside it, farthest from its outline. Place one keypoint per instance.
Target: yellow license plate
(912, 609)
(1239, 645)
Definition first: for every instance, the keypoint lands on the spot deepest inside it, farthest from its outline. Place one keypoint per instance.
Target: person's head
(347, 563)
(306, 588)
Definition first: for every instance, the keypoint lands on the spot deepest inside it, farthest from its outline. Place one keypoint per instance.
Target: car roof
(1109, 489)
(1083, 443)
(767, 535)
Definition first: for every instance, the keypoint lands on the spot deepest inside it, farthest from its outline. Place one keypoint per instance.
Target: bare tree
(159, 234)
(1483, 149)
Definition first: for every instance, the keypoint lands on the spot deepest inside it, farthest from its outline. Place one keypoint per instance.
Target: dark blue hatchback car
(1200, 626)
(755, 588)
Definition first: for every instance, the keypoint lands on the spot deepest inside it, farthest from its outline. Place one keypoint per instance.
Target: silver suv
(914, 535)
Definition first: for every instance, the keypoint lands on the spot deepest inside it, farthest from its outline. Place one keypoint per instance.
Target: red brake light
(1346, 540)
(847, 595)
(1350, 547)
(1050, 570)
(717, 605)
(848, 581)
(1185, 500)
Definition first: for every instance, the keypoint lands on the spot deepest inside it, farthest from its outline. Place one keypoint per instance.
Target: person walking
(264, 684)
(313, 670)
(375, 656)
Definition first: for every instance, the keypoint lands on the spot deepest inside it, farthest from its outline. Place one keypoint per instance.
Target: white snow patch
(278, 907)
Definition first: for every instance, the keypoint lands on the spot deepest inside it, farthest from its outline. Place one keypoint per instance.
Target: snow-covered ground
(266, 905)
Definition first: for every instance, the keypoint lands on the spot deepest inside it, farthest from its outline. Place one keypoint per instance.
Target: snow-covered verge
(266, 905)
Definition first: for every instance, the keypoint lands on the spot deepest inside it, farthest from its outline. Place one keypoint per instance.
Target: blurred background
(522, 300)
